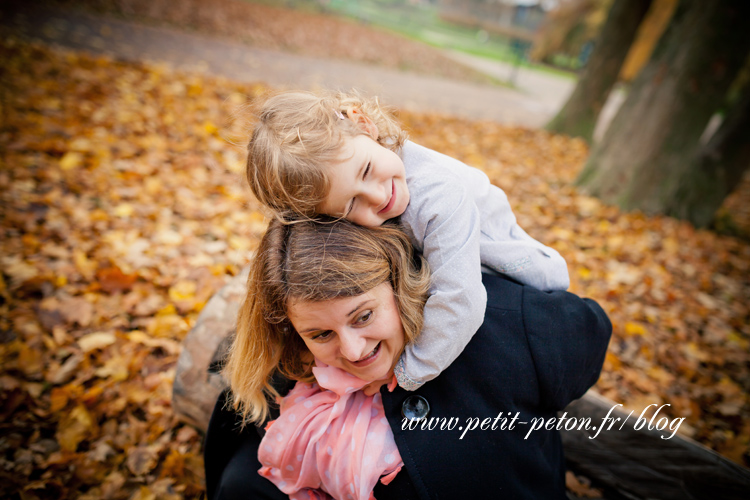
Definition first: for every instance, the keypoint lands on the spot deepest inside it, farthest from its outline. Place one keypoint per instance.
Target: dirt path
(190, 51)
(549, 90)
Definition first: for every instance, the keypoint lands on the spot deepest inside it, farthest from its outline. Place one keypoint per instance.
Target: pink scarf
(331, 440)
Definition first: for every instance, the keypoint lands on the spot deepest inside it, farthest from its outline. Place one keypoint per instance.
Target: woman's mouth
(391, 201)
(369, 358)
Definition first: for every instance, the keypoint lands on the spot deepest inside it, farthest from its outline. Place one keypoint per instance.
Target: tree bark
(579, 114)
(717, 168)
(647, 154)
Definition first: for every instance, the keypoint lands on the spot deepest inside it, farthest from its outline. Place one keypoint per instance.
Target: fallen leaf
(77, 310)
(112, 279)
(96, 340)
(66, 371)
(74, 427)
(30, 361)
(142, 460)
(71, 160)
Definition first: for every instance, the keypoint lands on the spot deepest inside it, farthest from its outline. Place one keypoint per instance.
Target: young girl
(344, 155)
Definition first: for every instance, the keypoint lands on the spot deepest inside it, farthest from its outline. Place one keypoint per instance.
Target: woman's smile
(362, 335)
(369, 358)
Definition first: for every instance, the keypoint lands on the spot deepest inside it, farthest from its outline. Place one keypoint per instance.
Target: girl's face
(362, 335)
(368, 185)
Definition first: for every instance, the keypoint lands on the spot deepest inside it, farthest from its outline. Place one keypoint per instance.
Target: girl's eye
(364, 318)
(367, 171)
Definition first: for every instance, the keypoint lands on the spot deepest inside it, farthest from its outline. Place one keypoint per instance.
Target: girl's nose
(375, 194)
(352, 345)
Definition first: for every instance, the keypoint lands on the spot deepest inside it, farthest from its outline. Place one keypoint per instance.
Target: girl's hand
(374, 386)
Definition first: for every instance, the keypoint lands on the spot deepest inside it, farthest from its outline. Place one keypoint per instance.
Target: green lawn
(423, 23)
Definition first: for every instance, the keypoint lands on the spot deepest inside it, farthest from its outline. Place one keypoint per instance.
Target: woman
(535, 353)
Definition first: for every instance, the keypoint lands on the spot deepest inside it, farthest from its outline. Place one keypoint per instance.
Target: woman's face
(362, 335)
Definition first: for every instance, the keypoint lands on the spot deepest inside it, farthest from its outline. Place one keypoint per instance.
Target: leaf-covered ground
(123, 210)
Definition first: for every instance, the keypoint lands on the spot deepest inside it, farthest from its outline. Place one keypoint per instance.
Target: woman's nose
(352, 345)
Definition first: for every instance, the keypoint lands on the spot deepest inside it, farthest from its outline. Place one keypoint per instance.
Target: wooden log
(641, 464)
(197, 383)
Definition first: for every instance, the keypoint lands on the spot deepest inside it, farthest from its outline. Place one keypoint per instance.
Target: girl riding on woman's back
(344, 156)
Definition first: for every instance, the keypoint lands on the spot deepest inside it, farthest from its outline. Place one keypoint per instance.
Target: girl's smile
(391, 199)
(368, 185)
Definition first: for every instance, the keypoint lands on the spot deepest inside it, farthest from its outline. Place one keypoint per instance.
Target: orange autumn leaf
(74, 427)
(112, 279)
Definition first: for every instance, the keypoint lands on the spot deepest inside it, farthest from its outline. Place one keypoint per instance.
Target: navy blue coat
(534, 354)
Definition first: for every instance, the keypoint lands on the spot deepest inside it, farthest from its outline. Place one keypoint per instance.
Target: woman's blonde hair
(313, 261)
(298, 135)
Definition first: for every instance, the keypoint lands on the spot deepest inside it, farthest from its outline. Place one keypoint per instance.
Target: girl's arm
(514, 253)
(444, 225)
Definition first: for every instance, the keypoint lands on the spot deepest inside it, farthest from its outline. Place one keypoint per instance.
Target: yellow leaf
(167, 310)
(670, 244)
(71, 160)
(634, 329)
(98, 215)
(74, 427)
(144, 493)
(738, 340)
(210, 127)
(85, 266)
(123, 210)
(612, 362)
(564, 234)
(168, 345)
(183, 290)
(153, 185)
(661, 375)
(115, 369)
(18, 270)
(81, 144)
(96, 340)
(236, 165)
(166, 325)
(693, 352)
(240, 243)
(584, 273)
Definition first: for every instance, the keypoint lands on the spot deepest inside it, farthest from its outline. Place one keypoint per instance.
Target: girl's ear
(363, 122)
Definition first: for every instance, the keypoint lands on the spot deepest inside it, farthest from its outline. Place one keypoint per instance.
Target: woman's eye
(364, 318)
(322, 336)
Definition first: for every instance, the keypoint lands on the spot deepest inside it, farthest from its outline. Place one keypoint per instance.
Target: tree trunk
(717, 168)
(578, 116)
(646, 157)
